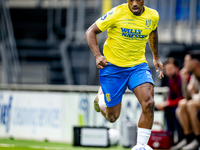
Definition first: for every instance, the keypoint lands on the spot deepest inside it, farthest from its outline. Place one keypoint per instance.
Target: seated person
(171, 69)
(187, 111)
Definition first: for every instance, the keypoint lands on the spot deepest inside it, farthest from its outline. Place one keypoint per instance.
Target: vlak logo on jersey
(104, 17)
(5, 114)
(131, 33)
(148, 22)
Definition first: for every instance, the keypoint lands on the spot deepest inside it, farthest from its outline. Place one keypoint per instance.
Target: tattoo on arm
(153, 42)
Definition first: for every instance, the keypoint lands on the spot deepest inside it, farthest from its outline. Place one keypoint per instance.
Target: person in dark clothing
(171, 68)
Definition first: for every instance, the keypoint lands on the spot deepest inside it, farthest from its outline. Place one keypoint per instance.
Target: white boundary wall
(49, 113)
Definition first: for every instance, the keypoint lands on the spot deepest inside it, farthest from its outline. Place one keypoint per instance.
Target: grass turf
(8, 144)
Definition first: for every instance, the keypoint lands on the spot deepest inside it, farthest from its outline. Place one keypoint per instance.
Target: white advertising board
(94, 137)
(52, 115)
(31, 115)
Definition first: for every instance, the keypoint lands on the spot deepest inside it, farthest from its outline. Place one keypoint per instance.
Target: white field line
(6, 145)
(46, 147)
(61, 148)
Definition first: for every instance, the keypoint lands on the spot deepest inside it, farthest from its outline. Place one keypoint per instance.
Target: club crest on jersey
(148, 22)
(104, 17)
(108, 97)
(111, 12)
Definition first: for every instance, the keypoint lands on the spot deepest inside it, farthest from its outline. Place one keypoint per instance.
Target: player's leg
(110, 113)
(97, 100)
(141, 83)
(145, 94)
(113, 81)
(110, 102)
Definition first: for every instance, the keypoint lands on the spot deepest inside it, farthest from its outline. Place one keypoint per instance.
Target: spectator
(188, 108)
(169, 106)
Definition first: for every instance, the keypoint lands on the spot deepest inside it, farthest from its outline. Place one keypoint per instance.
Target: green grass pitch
(8, 144)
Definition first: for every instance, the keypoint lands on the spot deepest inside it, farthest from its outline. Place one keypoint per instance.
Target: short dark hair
(171, 60)
(195, 54)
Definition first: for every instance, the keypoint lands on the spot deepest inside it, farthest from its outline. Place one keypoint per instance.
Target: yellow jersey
(127, 34)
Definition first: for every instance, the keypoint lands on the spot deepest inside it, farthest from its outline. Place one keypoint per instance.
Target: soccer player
(123, 65)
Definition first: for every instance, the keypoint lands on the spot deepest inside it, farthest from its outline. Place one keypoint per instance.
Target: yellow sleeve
(156, 19)
(107, 21)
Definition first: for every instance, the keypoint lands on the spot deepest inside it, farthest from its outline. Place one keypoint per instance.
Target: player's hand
(158, 64)
(101, 62)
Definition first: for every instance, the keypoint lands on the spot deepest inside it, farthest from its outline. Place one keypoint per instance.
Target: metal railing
(179, 22)
(75, 29)
(11, 67)
(179, 19)
(66, 88)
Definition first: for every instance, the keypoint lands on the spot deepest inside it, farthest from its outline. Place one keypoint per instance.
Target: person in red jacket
(171, 69)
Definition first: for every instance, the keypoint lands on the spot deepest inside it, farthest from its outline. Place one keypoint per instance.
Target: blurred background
(44, 55)
(43, 41)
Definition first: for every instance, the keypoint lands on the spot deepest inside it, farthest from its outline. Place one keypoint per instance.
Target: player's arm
(153, 43)
(184, 73)
(91, 35)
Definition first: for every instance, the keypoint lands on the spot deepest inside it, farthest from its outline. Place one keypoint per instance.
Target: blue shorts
(114, 81)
